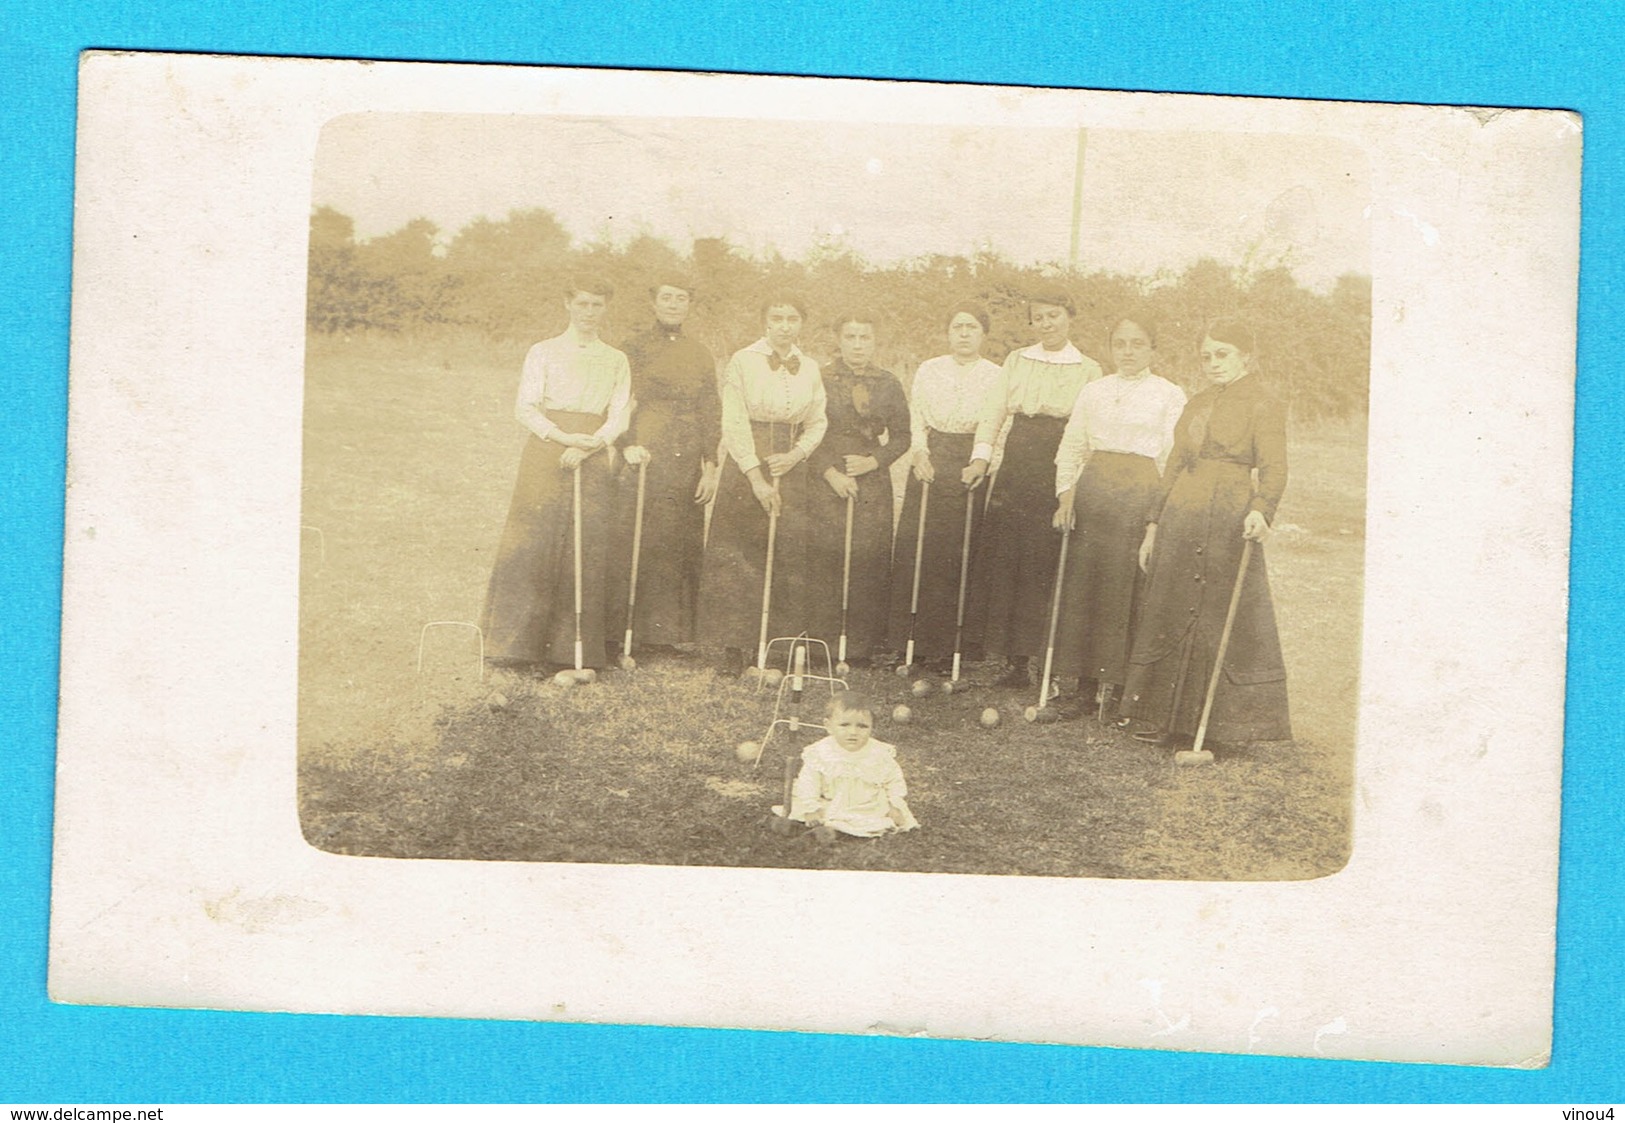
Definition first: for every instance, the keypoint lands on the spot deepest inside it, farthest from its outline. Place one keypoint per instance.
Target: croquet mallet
(767, 581)
(964, 586)
(914, 597)
(1196, 754)
(842, 668)
(627, 662)
(575, 520)
(1042, 712)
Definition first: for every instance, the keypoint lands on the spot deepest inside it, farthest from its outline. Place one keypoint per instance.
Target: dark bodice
(1239, 425)
(674, 380)
(860, 408)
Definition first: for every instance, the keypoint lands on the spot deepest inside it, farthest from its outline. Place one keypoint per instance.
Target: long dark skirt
(730, 610)
(1019, 547)
(673, 535)
(945, 517)
(530, 605)
(869, 590)
(1193, 570)
(1102, 566)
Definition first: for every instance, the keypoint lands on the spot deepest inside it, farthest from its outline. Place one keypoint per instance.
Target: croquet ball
(499, 701)
(922, 687)
(1030, 713)
(990, 717)
(748, 751)
(843, 668)
(901, 714)
(628, 663)
(564, 678)
(586, 675)
(949, 688)
(902, 670)
(773, 677)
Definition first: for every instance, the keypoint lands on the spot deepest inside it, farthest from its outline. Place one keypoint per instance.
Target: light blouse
(572, 375)
(1118, 414)
(754, 391)
(856, 792)
(1033, 383)
(948, 396)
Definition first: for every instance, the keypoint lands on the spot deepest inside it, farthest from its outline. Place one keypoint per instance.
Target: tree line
(504, 280)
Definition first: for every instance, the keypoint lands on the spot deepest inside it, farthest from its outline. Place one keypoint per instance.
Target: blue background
(1564, 55)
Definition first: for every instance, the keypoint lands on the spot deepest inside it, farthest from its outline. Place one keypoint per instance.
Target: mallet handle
(637, 548)
(846, 575)
(767, 587)
(919, 552)
(575, 519)
(1224, 643)
(1054, 618)
(964, 580)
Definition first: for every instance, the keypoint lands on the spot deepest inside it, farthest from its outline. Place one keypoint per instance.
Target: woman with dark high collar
(574, 401)
(676, 424)
(868, 431)
(1229, 436)
(1019, 548)
(772, 421)
(1107, 469)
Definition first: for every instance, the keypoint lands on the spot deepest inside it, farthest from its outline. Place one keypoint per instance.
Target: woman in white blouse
(945, 405)
(772, 420)
(1107, 469)
(574, 401)
(1019, 550)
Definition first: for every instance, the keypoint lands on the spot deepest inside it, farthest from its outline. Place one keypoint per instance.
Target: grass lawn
(410, 455)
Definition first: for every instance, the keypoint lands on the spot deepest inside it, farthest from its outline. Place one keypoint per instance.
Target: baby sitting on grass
(849, 782)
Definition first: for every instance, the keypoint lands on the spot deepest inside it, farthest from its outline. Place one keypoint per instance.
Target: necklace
(1127, 385)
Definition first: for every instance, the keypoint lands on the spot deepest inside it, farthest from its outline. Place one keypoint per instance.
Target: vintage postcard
(1023, 564)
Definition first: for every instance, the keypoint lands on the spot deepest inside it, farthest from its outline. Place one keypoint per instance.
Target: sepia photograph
(917, 559)
(831, 494)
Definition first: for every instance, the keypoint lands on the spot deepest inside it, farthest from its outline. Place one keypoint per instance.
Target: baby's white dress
(857, 792)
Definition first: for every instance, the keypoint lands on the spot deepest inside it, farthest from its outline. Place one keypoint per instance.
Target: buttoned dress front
(568, 385)
(1019, 547)
(1225, 435)
(766, 409)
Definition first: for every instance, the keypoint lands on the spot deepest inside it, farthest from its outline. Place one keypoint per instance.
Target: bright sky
(1151, 200)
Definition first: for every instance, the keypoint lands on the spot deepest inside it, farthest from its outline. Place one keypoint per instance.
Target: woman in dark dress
(574, 399)
(1019, 548)
(1195, 527)
(945, 404)
(772, 421)
(676, 424)
(868, 430)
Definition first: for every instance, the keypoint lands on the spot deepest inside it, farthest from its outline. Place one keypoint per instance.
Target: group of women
(1154, 495)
